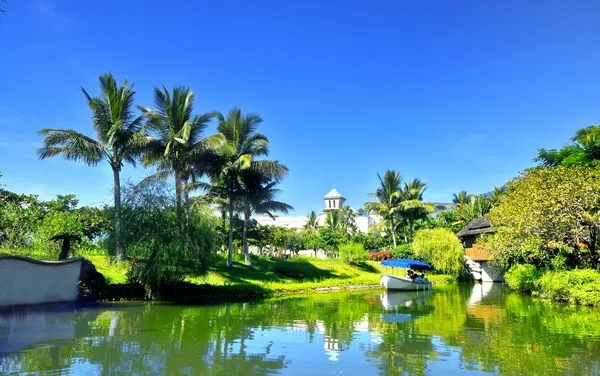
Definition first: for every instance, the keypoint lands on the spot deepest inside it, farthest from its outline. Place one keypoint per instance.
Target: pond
(460, 330)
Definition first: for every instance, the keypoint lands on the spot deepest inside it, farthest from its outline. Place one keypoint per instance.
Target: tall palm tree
(118, 138)
(387, 203)
(347, 220)
(257, 196)
(412, 205)
(177, 146)
(242, 145)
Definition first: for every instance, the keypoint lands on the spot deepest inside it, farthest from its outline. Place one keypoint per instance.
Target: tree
(387, 203)
(177, 146)
(118, 138)
(312, 223)
(442, 249)
(461, 197)
(584, 150)
(257, 195)
(63, 227)
(242, 145)
(412, 206)
(548, 213)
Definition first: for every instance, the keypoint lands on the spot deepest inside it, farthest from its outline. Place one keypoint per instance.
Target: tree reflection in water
(458, 328)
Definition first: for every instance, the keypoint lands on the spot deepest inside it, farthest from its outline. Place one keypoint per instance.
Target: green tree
(442, 249)
(242, 145)
(176, 146)
(257, 195)
(548, 212)
(118, 138)
(412, 206)
(62, 227)
(584, 150)
(387, 203)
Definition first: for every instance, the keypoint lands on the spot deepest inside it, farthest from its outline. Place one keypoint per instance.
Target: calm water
(468, 330)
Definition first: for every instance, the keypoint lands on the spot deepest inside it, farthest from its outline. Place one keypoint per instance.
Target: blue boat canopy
(407, 264)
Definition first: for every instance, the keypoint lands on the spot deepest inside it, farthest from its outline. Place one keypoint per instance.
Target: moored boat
(391, 282)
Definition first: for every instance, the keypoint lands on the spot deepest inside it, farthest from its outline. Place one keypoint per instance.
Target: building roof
(333, 194)
(476, 227)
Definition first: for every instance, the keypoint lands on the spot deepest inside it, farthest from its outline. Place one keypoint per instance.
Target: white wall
(28, 281)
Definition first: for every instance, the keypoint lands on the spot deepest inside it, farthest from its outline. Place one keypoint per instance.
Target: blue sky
(458, 93)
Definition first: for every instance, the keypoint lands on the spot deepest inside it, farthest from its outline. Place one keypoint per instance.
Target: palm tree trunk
(230, 242)
(223, 231)
(393, 232)
(64, 251)
(117, 203)
(245, 237)
(178, 193)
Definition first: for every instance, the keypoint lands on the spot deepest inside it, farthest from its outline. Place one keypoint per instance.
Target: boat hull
(390, 282)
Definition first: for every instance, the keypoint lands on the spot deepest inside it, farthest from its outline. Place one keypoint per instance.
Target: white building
(333, 201)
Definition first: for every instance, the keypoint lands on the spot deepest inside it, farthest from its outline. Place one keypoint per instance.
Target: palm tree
(332, 220)
(460, 197)
(178, 147)
(412, 205)
(257, 195)
(387, 203)
(242, 145)
(347, 220)
(118, 138)
(312, 223)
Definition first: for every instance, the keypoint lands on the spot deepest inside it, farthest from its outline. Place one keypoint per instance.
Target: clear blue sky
(458, 93)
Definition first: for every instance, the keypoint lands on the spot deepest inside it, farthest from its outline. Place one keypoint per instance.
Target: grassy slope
(299, 274)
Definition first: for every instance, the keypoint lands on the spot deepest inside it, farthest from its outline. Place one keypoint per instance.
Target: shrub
(441, 248)
(523, 277)
(579, 286)
(353, 253)
(381, 255)
(58, 230)
(403, 251)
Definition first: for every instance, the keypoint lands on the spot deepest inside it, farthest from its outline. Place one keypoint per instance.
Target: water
(462, 331)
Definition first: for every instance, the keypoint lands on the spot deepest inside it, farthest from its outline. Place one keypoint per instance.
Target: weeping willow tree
(441, 248)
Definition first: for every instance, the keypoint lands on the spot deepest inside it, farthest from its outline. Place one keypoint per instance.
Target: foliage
(403, 251)
(380, 255)
(584, 150)
(580, 286)
(118, 137)
(523, 277)
(162, 251)
(353, 253)
(329, 240)
(398, 206)
(442, 249)
(371, 241)
(469, 207)
(58, 227)
(548, 212)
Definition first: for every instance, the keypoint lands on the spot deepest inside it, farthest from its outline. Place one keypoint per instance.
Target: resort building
(332, 201)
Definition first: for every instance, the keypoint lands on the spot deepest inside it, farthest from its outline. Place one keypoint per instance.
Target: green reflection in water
(455, 331)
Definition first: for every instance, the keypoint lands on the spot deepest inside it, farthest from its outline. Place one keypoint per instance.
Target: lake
(459, 330)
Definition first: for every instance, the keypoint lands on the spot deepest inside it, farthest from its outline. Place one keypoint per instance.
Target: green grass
(278, 277)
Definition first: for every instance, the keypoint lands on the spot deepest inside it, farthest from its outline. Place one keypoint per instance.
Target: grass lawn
(299, 274)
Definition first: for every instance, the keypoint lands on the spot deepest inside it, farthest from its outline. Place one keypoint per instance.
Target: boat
(392, 282)
(400, 307)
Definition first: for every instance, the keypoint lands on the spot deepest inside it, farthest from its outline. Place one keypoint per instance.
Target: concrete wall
(28, 281)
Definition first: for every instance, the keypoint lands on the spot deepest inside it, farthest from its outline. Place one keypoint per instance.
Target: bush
(523, 277)
(353, 253)
(381, 255)
(441, 248)
(579, 286)
(403, 251)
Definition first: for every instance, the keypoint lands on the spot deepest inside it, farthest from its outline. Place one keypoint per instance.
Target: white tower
(333, 200)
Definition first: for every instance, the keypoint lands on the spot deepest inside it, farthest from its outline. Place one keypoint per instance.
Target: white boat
(391, 282)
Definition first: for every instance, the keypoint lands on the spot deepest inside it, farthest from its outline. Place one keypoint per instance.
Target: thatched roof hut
(475, 228)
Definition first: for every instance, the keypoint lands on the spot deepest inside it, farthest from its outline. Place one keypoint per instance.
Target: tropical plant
(118, 138)
(312, 222)
(387, 203)
(257, 194)
(62, 227)
(442, 249)
(353, 253)
(176, 145)
(412, 206)
(461, 197)
(584, 150)
(548, 213)
(241, 146)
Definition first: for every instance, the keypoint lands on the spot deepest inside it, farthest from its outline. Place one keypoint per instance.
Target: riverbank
(577, 286)
(267, 278)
